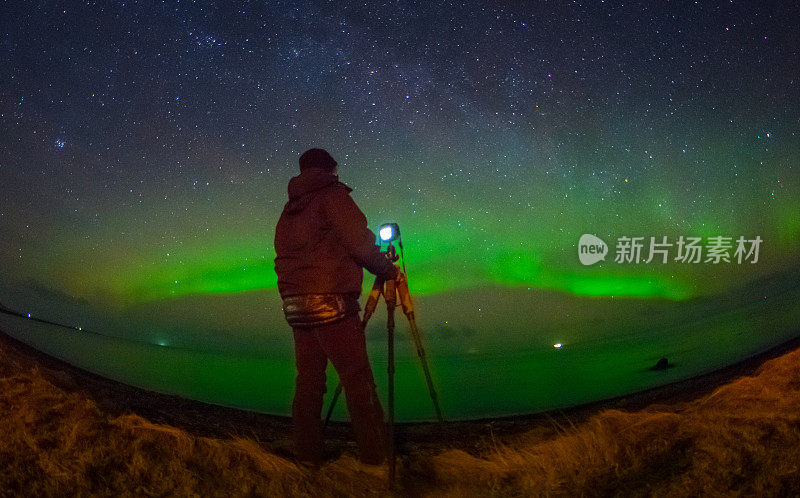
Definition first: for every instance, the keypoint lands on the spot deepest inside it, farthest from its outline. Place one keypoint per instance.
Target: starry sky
(145, 147)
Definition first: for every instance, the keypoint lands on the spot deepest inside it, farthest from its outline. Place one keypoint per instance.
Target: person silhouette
(321, 244)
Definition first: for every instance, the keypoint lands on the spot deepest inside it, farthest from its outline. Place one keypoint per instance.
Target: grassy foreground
(743, 438)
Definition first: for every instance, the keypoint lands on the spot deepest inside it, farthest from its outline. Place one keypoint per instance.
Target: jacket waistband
(312, 310)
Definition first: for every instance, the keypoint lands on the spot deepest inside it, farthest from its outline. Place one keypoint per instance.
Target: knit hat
(317, 158)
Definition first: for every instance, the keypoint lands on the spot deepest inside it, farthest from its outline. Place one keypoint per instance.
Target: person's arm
(350, 227)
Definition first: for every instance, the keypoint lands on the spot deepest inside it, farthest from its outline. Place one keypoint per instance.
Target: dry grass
(742, 439)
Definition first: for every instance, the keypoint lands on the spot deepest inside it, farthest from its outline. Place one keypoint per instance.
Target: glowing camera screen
(389, 232)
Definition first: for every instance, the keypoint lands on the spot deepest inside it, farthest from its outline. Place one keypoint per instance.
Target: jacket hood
(303, 186)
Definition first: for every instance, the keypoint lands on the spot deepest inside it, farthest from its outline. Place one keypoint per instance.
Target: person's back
(321, 244)
(322, 240)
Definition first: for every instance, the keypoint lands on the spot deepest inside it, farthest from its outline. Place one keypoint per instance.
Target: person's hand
(395, 273)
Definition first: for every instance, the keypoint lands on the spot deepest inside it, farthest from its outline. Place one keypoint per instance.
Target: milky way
(146, 147)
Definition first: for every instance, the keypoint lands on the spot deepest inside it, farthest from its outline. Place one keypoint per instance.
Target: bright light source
(389, 232)
(29, 315)
(557, 345)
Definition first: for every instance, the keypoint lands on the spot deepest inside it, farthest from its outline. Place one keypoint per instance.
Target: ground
(734, 432)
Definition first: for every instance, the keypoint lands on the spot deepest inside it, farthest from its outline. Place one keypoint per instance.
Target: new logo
(591, 249)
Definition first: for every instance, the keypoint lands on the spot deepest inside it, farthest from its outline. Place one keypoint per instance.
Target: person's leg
(309, 390)
(346, 347)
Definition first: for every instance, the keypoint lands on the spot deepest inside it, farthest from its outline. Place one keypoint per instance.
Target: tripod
(390, 290)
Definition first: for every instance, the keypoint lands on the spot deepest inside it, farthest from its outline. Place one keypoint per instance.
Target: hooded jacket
(322, 241)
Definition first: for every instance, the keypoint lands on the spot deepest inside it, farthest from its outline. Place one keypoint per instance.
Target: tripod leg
(372, 300)
(390, 296)
(408, 309)
(423, 360)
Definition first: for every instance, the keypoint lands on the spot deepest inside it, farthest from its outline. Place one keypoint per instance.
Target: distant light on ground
(557, 345)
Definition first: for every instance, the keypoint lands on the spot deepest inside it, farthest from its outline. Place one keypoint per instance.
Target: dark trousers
(342, 343)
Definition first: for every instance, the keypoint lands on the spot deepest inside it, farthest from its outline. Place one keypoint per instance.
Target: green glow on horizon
(509, 269)
(458, 246)
(625, 286)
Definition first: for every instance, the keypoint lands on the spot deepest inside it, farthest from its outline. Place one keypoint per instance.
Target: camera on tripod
(390, 232)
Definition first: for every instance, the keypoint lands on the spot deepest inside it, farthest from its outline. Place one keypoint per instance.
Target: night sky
(145, 147)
